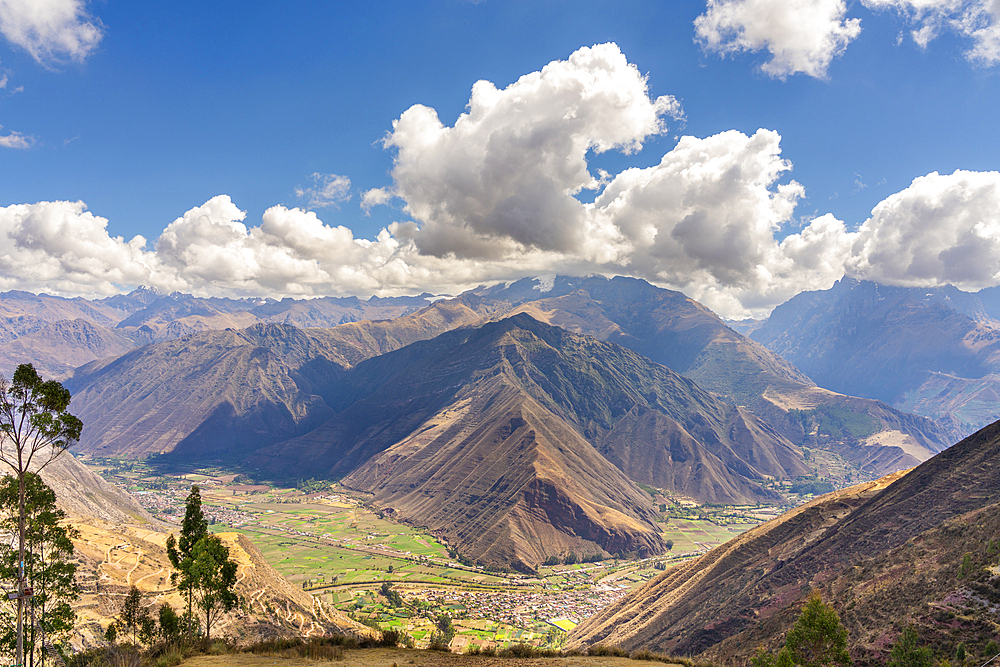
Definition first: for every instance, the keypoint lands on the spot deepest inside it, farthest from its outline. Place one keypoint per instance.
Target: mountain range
(58, 334)
(931, 351)
(576, 389)
(517, 440)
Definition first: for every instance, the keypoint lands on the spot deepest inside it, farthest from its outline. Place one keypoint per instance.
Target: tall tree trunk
(20, 571)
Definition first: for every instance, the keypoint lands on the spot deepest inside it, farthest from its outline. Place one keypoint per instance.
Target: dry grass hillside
(399, 656)
(886, 554)
(120, 546)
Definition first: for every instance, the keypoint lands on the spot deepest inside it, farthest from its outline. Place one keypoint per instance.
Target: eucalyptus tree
(181, 552)
(49, 566)
(35, 428)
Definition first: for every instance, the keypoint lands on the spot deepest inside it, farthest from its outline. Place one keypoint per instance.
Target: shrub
(646, 654)
(392, 637)
(818, 638)
(317, 648)
(601, 650)
(519, 651)
(438, 645)
(906, 652)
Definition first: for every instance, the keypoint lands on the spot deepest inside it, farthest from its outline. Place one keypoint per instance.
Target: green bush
(818, 639)
(907, 653)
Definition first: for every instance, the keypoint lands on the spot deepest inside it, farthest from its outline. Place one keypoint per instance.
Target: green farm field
(331, 544)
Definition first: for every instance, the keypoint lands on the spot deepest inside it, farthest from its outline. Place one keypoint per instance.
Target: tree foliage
(907, 652)
(215, 577)
(181, 552)
(203, 569)
(131, 613)
(49, 568)
(170, 623)
(818, 639)
(35, 428)
(34, 421)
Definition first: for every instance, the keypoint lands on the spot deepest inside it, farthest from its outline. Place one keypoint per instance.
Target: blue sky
(157, 110)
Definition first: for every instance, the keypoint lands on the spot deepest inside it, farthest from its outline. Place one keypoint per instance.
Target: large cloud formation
(494, 197)
(503, 177)
(804, 36)
(941, 229)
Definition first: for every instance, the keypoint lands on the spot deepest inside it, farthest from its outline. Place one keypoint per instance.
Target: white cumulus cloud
(941, 229)
(801, 35)
(975, 20)
(52, 31)
(502, 179)
(375, 197)
(804, 36)
(60, 246)
(15, 140)
(492, 198)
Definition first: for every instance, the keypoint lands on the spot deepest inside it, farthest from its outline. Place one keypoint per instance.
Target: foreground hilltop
(917, 549)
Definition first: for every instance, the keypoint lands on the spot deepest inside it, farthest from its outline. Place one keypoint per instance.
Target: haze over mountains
(575, 388)
(59, 334)
(931, 351)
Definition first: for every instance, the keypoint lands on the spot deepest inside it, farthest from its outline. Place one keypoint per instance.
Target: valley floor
(331, 544)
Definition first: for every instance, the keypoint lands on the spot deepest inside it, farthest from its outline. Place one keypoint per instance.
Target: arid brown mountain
(56, 348)
(234, 390)
(517, 440)
(58, 334)
(673, 330)
(886, 554)
(932, 351)
(221, 394)
(660, 324)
